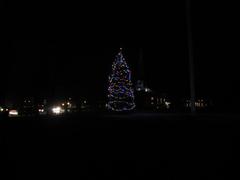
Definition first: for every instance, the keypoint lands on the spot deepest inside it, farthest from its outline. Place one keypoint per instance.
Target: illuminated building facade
(201, 104)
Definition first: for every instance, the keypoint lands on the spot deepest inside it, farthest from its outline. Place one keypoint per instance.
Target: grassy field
(169, 146)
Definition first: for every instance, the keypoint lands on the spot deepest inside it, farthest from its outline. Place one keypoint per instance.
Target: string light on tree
(121, 93)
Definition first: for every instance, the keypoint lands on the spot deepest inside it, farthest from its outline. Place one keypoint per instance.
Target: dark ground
(140, 145)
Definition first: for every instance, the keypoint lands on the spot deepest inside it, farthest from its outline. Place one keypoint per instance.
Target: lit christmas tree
(121, 93)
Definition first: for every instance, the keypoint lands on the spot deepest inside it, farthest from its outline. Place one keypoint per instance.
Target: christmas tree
(121, 93)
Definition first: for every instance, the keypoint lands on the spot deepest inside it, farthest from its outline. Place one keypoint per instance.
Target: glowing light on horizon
(57, 110)
(41, 110)
(13, 113)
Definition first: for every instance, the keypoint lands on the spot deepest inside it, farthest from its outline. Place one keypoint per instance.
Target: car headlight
(13, 113)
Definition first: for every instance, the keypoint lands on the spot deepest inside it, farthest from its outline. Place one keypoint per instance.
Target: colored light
(121, 96)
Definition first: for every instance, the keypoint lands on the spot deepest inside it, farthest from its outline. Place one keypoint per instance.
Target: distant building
(142, 92)
(142, 95)
(141, 87)
(201, 104)
(146, 99)
(28, 107)
(159, 102)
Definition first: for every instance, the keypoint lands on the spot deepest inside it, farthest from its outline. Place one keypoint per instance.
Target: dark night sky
(68, 48)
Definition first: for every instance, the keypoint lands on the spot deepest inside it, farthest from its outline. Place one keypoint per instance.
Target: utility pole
(190, 56)
(141, 65)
